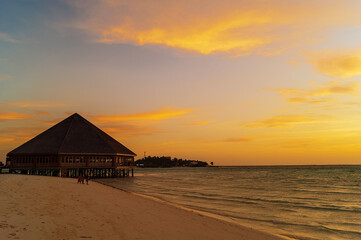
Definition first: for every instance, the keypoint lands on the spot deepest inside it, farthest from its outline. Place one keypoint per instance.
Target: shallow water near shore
(302, 202)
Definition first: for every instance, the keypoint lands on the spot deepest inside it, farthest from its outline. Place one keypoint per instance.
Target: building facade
(71, 148)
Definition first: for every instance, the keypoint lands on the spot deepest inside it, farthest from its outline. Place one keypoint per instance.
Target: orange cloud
(305, 100)
(130, 130)
(334, 87)
(4, 77)
(220, 26)
(6, 139)
(337, 63)
(161, 114)
(14, 116)
(287, 120)
(21, 131)
(317, 94)
(239, 139)
(199, 123)
(41, 113)
(26, 104)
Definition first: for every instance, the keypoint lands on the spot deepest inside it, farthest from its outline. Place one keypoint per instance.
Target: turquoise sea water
(304, 202)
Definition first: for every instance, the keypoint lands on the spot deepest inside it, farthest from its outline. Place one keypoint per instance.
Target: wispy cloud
(238, 139)
(6, 139)
(161, 114)
(220, 26)
(4, 77)
(21, 131)
(287, 120)
(130, 130)
(32, 104)
(14, 116)
(319, 94)
(7, 38)
(337, 63)
(20, 134)
(308, 101)
(199, 123)
(333, 87)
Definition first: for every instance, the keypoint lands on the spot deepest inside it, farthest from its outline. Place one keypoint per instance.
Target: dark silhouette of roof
(73, 135)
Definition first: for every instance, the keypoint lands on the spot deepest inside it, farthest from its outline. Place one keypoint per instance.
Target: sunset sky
(230, 81)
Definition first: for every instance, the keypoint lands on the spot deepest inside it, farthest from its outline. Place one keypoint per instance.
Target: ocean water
(303, 202)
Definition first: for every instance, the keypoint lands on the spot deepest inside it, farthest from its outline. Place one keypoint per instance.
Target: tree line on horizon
(166, 162)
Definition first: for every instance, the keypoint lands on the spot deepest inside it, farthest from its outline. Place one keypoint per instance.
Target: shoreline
(40, 207)
(196, 211)
(258, 166)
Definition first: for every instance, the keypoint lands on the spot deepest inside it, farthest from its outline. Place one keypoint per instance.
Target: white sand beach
(39, 207)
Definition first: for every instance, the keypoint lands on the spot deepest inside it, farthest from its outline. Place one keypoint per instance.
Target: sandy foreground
(38, 207)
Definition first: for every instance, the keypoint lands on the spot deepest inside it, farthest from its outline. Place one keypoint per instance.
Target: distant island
(167, 162)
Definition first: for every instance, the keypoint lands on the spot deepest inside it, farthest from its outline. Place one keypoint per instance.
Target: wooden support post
(132, 172)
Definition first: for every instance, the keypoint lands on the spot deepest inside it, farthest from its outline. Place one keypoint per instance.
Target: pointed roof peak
(75, 115)
(73, 135)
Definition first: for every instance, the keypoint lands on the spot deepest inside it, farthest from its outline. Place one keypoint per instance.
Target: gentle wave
(303, 202)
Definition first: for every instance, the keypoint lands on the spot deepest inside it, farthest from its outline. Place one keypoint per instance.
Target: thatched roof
(74, 135)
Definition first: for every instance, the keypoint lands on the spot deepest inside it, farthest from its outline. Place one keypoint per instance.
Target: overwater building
(71, 148)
